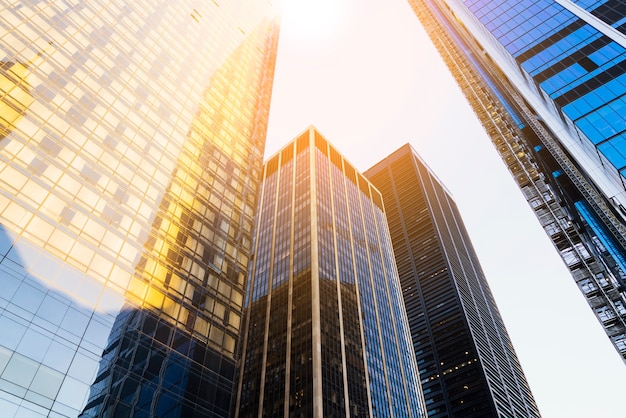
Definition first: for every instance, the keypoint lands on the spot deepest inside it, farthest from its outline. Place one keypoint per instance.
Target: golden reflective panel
(14, 93)
(129, 157)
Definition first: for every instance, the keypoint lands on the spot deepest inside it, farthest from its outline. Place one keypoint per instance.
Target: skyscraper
(326, 331)
(466, 362)
(131, 147)
(547, 81)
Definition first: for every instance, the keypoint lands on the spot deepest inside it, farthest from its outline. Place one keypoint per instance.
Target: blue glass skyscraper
(326, 332)
(547, 79)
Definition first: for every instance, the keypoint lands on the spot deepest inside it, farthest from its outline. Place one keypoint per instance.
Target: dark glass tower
(547, 79)
(131, 147)
(467, 365)
(326, 329)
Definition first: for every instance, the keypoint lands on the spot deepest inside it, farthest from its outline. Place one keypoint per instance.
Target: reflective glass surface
(324, 276)
(569, 180)
(466, 363)
(578, 66)
(131, 144)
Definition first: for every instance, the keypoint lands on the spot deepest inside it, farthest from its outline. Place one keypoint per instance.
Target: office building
(326, 332)
(131, 147)
(547, 81)
(467, 365)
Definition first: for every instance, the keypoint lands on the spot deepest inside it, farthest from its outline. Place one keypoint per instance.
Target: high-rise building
(326, 332)
(466, 362)
(131, 147)
(547, 79)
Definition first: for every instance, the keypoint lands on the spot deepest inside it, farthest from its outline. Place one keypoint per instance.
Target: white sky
(366, 75)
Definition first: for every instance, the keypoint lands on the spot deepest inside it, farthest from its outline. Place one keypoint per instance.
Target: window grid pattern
(580, 69)
(127, 191)
(352, 288)
(466, 363)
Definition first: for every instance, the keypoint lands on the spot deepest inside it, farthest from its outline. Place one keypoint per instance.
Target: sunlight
(313, 21)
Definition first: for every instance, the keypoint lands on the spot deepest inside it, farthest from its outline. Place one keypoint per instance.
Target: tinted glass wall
(131, 145)
(466, 362)
(323, 276)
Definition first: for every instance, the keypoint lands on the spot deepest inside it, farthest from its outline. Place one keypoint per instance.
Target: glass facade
(577, 66)
(131, 146)
(326, 330)
(541, 108)
(466, 362)
(568, 60)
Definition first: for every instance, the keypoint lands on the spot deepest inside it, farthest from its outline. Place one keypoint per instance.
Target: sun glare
(312, 21)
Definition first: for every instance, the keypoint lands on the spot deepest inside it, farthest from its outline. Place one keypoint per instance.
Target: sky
(365, 74)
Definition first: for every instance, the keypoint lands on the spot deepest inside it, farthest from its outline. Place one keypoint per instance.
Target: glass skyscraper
(467, 364)
(131, 147)
(547, 80)
(326, 330)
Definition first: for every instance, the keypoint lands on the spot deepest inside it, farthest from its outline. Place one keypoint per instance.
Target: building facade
(326, 331)
(131, 147)
(547, 79)
(467, 364)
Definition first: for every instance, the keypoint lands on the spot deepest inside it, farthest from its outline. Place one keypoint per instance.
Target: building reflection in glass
(127, 196)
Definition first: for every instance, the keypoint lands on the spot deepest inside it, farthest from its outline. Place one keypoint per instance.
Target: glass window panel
(28, 298)
(90, 290)
(5, 355)
(75, 322)
(97, 333)
(72, 393)
(58, 357)
(11, 332)
(38, 404)
(47, 382)
(52, 310)
(34, 345)
(20, 370)
(45, 265)
(83, 368)
(10, 284)
(615, 151)
(8, 408)
(5, 241)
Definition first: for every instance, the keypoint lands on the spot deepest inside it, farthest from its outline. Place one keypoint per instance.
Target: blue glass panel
(589, 4)
(582, 79)
(605, 122)
(10, 283)
(566, 77)
(615, 151)
(82, 368)
(59, 356)
(606, 54)
(34, 345)
(555, 52)
(67, 393)
(597, 98)
(52, 310)
(604, 237)
(12, 332)
(28, 298)
(5, 241)
(75, 322)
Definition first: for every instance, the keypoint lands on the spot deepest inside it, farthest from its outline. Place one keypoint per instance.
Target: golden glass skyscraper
(131, 146)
